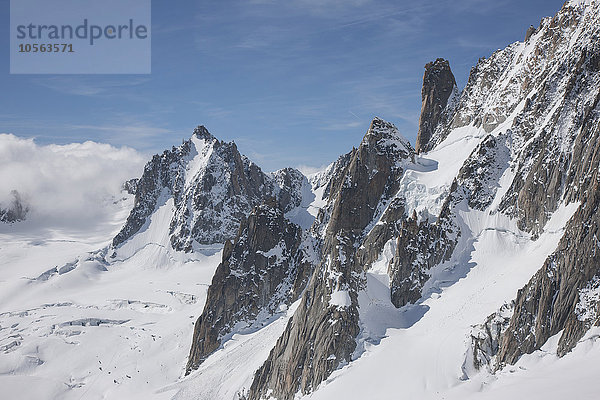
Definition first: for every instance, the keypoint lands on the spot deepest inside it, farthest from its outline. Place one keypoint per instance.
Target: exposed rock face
(530, 32)
(485, 341)
(565, 293)
(557, 161)
(389, 226)
(16, 210)
(438, 85)
(289, 183)
(213, 187)
(421, 244)
(562, 296)
(218, 197)
(265, 268)
(419, 247)
(163, 173)
(322, 332)
(130, 186)
(481, 172)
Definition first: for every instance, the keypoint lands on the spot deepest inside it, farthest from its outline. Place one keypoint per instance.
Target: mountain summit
(212, 188)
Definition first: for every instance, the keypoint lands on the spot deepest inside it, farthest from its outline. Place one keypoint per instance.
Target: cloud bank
(74, 185)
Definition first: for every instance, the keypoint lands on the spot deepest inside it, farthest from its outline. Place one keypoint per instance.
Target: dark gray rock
(289, 183)
(419, 247)
(265, 268)
(558, 165)
(530, 32)
(210, 205)
(15, 211)
(130, 186)
(438, 85)
(321, 335)
(163, 172)
(388, 227)
(485, 341)
(480, 174)
(555, 299)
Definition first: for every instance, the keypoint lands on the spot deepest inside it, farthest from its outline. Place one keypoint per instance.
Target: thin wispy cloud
(341, 126)
(309, 170)
(85, 86)
(141, 135)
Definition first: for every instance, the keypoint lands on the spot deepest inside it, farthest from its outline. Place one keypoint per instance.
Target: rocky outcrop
(130, 186)
(262, 272)
(563, 296)
(163, 173)
(422, 244)
(15, 210)
(213, 188)
(289, 183)
(419, 247)
(438, 85)
(389, 226)
(530, 32)
(485, 341)
(321, 335)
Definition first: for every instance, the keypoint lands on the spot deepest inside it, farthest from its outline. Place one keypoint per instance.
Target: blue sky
(293, 82)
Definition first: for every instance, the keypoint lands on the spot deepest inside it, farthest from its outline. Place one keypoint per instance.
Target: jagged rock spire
(438, 84)
(202, 133)
(16, 210)
(530, 32)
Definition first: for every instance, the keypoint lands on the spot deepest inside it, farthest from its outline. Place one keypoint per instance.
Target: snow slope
(418, 350)
(97, 331)
(229, 371)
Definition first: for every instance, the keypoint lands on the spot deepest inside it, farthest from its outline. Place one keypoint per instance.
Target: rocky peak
(322, 333)
(289, 183)
(213, 188)
(438, 86)
(385, 137)
(16, 210)
(530, 32)
(202, 133)
(376, 165)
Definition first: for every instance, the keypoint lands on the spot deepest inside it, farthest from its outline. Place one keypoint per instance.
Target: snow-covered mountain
(467, 266)
(212, 188)
(15, 210)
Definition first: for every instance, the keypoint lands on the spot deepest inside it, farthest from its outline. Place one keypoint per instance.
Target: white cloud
(309, 170)
(73, 185)
(342, 126)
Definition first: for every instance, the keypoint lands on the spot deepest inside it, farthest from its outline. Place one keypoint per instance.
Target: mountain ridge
(438, 270)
